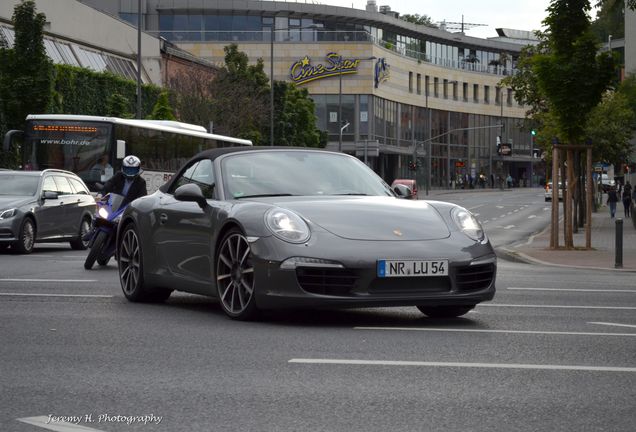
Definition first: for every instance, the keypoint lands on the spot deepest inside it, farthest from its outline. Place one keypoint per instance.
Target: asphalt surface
(553, 351)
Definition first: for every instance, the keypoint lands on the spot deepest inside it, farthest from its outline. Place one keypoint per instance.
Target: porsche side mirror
(190, 192)
(403, 191)
(49, 195)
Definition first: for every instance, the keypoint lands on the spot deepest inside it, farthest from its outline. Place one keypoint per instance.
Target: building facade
(423, 102)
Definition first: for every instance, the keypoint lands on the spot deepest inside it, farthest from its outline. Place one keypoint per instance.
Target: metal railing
(318, 35)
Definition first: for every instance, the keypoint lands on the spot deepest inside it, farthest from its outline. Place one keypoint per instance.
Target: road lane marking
(464, 365)
(60, 426)
(534, 332)
(571, 289)
(558, 306)
(532, 216)
(509, 226)
(613, 324)
(50, 280)
(54, 295)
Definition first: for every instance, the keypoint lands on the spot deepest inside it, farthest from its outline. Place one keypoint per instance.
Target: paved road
(553, 351)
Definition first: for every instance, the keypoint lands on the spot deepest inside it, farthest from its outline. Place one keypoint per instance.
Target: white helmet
(131, 167)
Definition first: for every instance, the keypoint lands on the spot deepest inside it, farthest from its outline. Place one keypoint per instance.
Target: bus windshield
(76, 147)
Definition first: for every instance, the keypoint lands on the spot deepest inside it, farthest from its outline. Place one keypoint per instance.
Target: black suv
(43, 206)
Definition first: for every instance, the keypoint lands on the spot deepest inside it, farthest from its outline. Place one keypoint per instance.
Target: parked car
(43, 206)
(548, 191)
(266, 228)
(410, 183)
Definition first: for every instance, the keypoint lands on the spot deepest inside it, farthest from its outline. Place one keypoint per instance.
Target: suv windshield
(18, 185)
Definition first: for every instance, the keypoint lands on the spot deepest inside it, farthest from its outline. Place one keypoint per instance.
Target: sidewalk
(602, 255)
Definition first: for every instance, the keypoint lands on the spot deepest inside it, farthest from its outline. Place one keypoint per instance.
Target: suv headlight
(287, 225)
(467, 223)
(6, 214)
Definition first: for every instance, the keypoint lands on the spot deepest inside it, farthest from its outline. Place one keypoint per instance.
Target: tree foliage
(419, 19)
(571, 75)
(118, 106)
(295, 119)
(240, 97)
(162, 109)
(25, 70)
(191, 95)
(610, 127)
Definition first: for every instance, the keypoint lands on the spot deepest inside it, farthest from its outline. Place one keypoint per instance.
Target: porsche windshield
(297, 172)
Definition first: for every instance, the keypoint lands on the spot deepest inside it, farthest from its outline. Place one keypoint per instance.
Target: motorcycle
(103, 235)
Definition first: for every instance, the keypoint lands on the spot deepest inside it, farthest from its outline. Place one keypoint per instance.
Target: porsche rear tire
(235, 276)
(445, 311)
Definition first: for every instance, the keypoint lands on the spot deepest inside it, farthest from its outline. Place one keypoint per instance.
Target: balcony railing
(318, 35)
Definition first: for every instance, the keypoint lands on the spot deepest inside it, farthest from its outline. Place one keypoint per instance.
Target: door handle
(163, 218)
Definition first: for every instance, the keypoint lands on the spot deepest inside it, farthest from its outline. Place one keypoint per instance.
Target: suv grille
(476, 277)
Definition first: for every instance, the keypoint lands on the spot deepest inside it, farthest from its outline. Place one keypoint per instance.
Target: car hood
(371, 218)
(7, 202)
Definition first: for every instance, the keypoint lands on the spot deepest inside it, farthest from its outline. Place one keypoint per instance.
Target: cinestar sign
(303, 71)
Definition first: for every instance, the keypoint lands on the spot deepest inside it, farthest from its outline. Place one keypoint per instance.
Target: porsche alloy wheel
(235, 276)
(130, 274)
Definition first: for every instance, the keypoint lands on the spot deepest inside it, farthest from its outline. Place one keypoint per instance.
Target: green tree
(25, 74)
(295, 118)
(240, 97)
(424, 20)
(118, 106)
(162, 109)
(610, 127)
(25, 70)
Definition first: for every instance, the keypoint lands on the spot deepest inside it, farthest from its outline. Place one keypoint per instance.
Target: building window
(436, 87)
(497, 95)
(419, 84)
(487, 94)
(410, 82)
(455, 84)
(475, 92)
(465, 91)
(445, 89)
(427, 85)
(509, 97)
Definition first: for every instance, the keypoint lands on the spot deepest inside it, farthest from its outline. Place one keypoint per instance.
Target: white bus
(93, 147)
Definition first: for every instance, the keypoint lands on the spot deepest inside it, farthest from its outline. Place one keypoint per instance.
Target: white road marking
(613, 324)
(534, 332)
(532, 216)
(515, 210)
(509, 226)
(572, 289)
(464, 365)
(557, 306)
(61, 426)
(500, 206)
(54, 295)
(49, 280)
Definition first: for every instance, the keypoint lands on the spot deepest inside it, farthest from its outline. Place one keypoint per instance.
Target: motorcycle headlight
(468, 224)
(287, 225)
(8, 213)
(103, 213)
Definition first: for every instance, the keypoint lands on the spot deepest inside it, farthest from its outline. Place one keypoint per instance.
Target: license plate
(412, 268)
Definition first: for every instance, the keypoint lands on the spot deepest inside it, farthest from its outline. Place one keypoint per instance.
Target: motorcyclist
(128, 181)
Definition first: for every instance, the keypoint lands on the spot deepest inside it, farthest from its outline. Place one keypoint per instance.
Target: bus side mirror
(10, 137)
(121, 149)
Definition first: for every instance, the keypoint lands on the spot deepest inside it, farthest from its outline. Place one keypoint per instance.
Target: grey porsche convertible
(270, 227)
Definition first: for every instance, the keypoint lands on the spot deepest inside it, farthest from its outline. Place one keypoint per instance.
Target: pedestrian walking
(627, 198)
(612, 199)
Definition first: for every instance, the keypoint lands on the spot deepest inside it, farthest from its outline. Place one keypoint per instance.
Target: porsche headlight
(102, 212)
(468, 224)
(8, 213)
(287, 225)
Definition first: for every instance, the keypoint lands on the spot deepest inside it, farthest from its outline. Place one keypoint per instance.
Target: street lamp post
(343, 124)
(139, 59)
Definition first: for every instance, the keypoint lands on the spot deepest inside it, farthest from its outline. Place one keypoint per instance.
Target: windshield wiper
(352, 193)
(263, 195)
